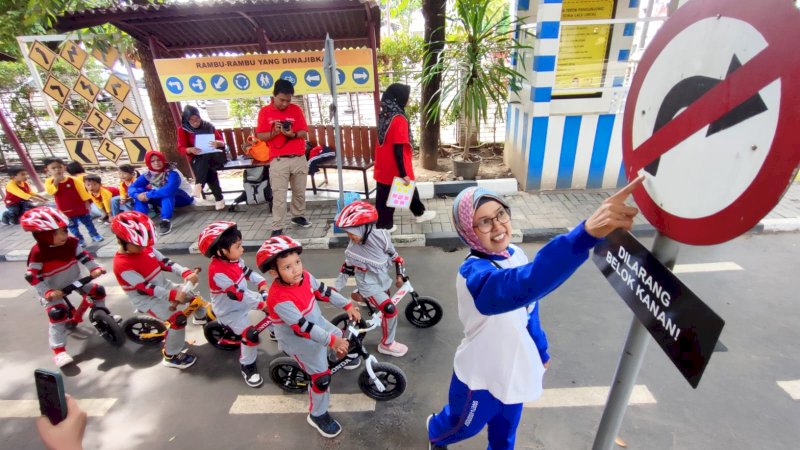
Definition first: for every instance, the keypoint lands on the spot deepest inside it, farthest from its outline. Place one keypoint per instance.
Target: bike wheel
(425, 313)
(137, 326)
(215, 332)
(108, 328)
(286, 373)
(393, 379)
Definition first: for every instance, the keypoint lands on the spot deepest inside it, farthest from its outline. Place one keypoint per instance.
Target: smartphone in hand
(50, 388)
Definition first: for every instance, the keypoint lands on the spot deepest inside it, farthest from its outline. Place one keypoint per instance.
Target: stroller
(256, 188)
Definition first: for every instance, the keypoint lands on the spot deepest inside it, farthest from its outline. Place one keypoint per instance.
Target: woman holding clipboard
(202, 144)
(393, 156)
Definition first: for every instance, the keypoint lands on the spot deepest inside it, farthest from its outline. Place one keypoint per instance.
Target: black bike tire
(284, 372)
(390, 375)
(146, 324)
(213, 332)
(108, 328)
(431, 316)
(340, 322)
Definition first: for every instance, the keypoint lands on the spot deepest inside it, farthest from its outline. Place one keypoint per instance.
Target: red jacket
(385, 165)
(186, 140)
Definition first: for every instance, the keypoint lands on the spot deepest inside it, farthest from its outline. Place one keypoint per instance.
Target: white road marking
(30, 408)
(114, 291)
(351, 281)
(588, 396)
(11, 293)
(707, 267)
(792, 387)
(285, 404)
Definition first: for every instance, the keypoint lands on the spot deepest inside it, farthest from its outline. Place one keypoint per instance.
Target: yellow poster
(582, 49)
(255, 75)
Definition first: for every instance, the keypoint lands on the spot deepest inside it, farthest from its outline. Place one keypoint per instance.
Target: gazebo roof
(239, 26)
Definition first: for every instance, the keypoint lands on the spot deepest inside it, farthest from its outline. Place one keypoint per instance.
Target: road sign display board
(106, 56)
(55, 89)
(110, 150)
(117, 88)
(98, 120)
(720, 137)
(136, 147)
(81, 150)
(86, 89)
(685, 327)
(128, 119)
(74, 54)
(69, 121)
(42, 55)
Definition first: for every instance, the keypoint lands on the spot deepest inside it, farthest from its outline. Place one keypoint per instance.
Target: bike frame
(260, 326)
(356, 335)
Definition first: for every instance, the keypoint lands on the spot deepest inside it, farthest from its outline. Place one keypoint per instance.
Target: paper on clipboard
(400, 194)
(203, 143)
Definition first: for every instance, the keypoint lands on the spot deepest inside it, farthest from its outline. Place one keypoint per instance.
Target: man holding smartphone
(283, 126)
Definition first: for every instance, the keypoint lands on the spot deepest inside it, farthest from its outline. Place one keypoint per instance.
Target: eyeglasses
(486, 224)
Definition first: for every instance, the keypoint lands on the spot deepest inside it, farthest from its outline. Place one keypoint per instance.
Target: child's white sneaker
(62, 359)
(395, 349)
(426, 216)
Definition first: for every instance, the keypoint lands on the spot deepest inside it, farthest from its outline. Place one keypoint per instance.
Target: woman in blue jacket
(163, 187)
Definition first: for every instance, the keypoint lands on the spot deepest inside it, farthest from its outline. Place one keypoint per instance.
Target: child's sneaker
(272, 336)
(165, 227)
(182, 360)
(251, 375)
(395, 349)
(62, 359)
(117, 318)
(432, 446)
(98, 238)
(354, 364)
(325, 424)
(199, 320)
(358, 298)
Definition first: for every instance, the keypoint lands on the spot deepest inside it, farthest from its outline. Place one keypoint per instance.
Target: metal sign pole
(630, 362)
(329, 68)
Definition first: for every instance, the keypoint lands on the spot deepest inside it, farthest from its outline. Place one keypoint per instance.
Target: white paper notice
(203, 143)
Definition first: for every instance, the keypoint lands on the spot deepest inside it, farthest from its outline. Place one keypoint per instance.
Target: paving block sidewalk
(536, 217)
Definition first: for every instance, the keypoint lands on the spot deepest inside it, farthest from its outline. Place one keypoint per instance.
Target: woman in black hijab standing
(204, 165)
(393, 155)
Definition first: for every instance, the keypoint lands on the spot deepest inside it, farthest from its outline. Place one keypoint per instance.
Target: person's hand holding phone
(67, 435)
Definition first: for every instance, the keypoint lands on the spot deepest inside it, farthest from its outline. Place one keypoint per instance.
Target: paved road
(738, 405)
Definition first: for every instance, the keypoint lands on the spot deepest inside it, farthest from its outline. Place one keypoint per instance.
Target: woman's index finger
(628, 189)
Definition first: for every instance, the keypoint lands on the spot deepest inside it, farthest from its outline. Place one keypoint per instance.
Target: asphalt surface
(738, 404)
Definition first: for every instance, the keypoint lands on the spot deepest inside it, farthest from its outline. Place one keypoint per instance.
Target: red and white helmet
(355, 214)
(134, 227)
(210, 235)
(43, 218)
(274, 247)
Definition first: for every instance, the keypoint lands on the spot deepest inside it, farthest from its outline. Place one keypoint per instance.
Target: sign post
(329, 69)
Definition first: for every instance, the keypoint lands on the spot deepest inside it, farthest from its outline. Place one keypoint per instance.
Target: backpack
(256, 185)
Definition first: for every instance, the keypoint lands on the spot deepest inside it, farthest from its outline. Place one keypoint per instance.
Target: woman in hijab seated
(205, 161)
(162, 187)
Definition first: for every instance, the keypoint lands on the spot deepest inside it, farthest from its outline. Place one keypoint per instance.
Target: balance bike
(100, 317)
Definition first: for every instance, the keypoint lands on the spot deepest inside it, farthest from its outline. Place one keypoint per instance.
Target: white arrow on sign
(220, 82)
(310, 78)
(360, 76)
(176, 84)
(198, 84)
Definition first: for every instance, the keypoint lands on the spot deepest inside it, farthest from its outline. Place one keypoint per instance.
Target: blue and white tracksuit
(499, 364)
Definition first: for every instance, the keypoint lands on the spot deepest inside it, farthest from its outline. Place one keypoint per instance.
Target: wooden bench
(358, 141)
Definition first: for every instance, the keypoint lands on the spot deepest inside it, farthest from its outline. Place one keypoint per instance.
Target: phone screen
(50, 388)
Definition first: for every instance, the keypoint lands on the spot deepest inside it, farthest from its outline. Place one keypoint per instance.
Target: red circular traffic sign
(716, 106)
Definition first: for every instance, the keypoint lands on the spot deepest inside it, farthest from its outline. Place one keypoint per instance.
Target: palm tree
(473, 64)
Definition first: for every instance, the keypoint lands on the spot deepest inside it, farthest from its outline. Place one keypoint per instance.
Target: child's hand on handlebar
(340, 346)
(180, 296)
(399, 281)
(97, 272)
(55, 294)
(192, 278)
(354, 314)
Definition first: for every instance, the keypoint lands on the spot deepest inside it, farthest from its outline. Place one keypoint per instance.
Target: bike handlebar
(77, 284)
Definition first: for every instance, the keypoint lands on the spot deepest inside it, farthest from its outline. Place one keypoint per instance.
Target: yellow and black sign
(57, 90)
(69, 121)
(118, 88)
(81, 150)
(86, 89)
(129, 120)
(42, 55)
(73, 54)
(110, 150)
(137, 146)
(98, 120)
(108, 56)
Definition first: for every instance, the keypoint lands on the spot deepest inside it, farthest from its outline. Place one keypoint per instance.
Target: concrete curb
(430, 189)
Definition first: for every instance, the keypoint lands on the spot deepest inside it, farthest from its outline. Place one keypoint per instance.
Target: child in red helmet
(231, 300)
(302, 331)
(368, 257)
(52, 265)
(161, 186)
(139, 269)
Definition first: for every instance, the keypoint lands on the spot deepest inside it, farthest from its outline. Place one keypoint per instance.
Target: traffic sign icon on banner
(69, 121)
(174, 85)
(289, 76)
(106, 56)
(339, 76)
(81, 150)
(197, 84)
(360, 75)
(719, 143)
(241, 81)
(74, 54)
(57, 90)
(110, 150)
(136, 147)
(219, 83)
(42, 55)
(98, 120)
(117, 88)
(264, 80)
(86, 89)
(313, 77)
(129, 120)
